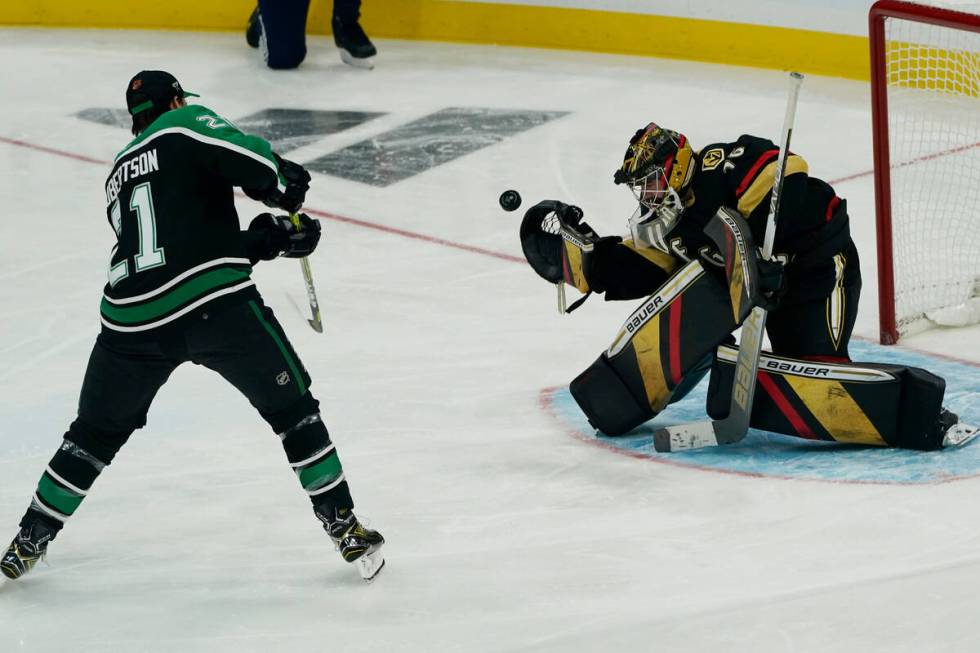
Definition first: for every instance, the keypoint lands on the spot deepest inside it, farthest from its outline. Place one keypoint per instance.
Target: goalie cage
(925, 85)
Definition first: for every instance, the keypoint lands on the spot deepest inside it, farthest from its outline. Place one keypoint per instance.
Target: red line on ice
(322, 214)
(442, 241)
(926, 157)
(51, 150)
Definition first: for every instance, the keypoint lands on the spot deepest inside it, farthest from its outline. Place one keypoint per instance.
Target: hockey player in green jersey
(179, 289)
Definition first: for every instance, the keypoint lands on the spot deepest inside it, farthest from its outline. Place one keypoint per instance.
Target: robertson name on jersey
(170, 201)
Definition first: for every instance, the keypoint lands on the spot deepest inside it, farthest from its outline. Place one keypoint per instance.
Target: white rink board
(505, 534)
(837, 16)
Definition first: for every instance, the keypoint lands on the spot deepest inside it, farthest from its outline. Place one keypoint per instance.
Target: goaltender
(691, 254)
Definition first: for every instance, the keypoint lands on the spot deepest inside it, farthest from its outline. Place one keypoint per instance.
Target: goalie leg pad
(664, 341)
(855, 403)
(607, 400)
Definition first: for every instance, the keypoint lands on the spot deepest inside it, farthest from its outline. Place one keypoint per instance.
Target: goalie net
(925, 79)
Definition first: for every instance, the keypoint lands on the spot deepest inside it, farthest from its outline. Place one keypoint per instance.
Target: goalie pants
(816, 316)
(245, 344)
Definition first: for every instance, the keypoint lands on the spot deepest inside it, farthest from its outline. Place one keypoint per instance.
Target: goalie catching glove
(558, 245)
(269, 236)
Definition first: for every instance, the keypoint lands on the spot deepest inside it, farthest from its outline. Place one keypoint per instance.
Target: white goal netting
(933, 80)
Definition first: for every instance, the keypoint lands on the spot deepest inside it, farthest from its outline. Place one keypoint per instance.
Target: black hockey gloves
(297, 183)
(542, 241)
(269, 236)
(772, 282)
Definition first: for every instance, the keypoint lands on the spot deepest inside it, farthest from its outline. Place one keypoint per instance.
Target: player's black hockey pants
(245, 344)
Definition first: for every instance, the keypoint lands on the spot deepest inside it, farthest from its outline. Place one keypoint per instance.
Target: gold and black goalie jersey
(812, 220)
(170, 201)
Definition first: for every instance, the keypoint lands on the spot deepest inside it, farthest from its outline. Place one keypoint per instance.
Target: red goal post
(937, 74)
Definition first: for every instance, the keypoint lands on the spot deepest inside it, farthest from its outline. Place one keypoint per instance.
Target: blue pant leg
(347, 10)
(284, 30)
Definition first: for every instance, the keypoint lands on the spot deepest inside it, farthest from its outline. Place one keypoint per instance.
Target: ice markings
(428, 142)
(286, 129)
(103, 116)
(291, 129)
(769, 454)
(381, 160)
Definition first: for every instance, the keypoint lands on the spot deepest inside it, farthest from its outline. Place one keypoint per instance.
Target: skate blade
(959, 434)
(365, 64)
(370, 565)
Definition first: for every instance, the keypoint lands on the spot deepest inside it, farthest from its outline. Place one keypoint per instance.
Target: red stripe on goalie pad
(785, 407)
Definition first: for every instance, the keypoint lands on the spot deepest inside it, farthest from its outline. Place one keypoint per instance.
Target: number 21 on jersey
(149, 255)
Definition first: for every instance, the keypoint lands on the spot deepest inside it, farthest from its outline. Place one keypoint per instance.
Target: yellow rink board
(491, 23)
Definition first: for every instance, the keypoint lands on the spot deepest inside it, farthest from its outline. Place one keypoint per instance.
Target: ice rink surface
(504, 533)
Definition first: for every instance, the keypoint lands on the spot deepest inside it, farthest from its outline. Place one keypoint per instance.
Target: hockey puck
(510, 200)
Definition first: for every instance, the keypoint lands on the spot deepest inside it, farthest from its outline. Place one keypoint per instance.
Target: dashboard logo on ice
(380, 159)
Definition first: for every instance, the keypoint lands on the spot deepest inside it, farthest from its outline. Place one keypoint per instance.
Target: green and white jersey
(170, 201)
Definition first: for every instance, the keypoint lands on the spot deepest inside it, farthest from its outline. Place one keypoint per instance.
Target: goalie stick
(315, 322)
(735, 425)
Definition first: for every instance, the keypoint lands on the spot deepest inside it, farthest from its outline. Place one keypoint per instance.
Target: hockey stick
(733, 428)
(316, 323)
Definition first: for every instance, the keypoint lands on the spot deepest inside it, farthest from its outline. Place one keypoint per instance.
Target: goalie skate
(960, 434)
(955, 433)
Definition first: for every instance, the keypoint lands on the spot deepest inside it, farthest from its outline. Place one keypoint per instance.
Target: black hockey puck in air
(510, 200)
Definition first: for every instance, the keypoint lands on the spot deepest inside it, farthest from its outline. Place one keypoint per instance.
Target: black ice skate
(954, 432)
(254, 29)
(355, 47)
(357, 544)
(28, 547)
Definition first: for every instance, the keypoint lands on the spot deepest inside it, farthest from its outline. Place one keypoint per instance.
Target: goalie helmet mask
(657, 166)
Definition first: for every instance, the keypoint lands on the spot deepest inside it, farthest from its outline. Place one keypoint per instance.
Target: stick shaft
(315, 322)
(750, 344)
(735, 425)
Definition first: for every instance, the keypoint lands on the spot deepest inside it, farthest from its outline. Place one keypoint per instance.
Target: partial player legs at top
(278, 28)
(355, 47)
